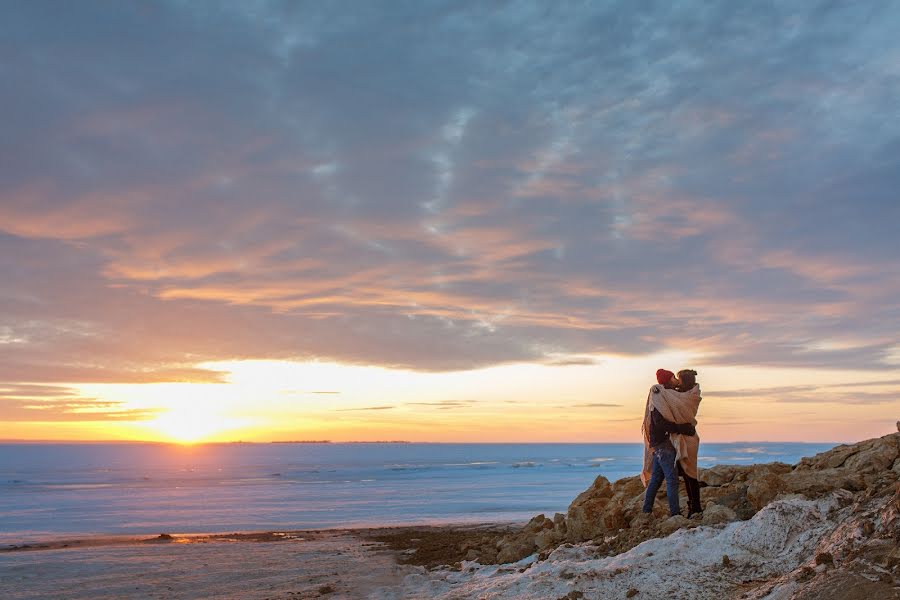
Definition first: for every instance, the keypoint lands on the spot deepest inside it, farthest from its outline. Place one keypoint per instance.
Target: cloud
(365, 408)
(535, 184)
(844, 398)
(445, 404)
(48, 403)
(838, 393)
(573, 361)
(760, 392)
(594, 405)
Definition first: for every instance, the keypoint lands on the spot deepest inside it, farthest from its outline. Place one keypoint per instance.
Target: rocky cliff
(858, 543)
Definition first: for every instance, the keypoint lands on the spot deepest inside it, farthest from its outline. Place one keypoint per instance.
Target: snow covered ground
(687, 564)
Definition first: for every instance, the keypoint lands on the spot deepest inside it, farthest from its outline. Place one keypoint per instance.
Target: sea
(56, 490)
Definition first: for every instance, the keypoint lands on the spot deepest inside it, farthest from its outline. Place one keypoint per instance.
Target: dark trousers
(692, 487)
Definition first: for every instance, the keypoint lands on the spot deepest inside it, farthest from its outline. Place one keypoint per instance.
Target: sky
(447, 221)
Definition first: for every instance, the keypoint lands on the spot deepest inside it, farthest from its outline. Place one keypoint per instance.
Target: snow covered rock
(687, 564)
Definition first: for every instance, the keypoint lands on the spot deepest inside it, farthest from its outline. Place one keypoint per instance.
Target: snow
(686, 564)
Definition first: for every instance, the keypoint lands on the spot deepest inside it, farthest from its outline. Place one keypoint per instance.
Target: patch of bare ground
(438, 545)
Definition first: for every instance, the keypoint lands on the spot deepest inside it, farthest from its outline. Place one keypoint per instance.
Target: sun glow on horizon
(601, 401)
(191, 425)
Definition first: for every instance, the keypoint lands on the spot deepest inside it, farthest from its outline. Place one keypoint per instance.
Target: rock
(673, 524)
(718, 475)
(866, 528)
(583, 518)
(818, 483)
(764, 489)
(717, 513)
(877, 455)
(864, 457)
(630, 487)
(632, 592)
(487, 555)
(641, 520)
(548, 538)
(538, 523)
(735, 498)
(515, 549)
(824, 558)
(538, 534)
(830, 459)
(770, 533)
(726, 562)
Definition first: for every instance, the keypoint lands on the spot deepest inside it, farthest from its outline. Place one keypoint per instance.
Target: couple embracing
(670, 439)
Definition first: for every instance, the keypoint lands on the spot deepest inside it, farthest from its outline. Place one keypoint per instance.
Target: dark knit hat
(663, 377)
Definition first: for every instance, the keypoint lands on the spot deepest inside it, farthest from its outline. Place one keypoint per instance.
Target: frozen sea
(61, 490)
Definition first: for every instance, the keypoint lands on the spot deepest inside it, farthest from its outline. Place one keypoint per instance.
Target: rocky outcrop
(609, 514)
(858, 559)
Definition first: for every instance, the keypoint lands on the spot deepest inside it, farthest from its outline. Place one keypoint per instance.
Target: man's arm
(684, 429)
(670, 427)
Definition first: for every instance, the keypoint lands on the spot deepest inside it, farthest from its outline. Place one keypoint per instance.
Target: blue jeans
(663, 466)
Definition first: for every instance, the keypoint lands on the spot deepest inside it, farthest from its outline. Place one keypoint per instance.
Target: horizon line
(397, 442)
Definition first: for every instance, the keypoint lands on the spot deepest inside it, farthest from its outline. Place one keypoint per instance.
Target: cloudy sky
(447, 220)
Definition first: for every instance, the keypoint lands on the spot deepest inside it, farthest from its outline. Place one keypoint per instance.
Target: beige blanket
(677, 407)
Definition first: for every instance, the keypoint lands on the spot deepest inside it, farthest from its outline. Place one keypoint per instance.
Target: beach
(338, 563)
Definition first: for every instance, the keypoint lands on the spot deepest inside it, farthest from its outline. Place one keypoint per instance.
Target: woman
(687, 382)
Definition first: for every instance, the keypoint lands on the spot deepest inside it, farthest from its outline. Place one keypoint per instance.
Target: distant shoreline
(327, 442)
(412, 531)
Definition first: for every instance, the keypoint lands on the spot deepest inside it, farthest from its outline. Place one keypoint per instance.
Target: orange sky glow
(263, 401)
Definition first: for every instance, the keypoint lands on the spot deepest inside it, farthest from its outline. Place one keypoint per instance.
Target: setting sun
(190, 424)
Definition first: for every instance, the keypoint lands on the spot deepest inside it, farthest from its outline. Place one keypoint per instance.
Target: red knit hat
(663, 377)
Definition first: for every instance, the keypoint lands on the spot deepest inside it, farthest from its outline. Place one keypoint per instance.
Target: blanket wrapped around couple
(677, 407)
